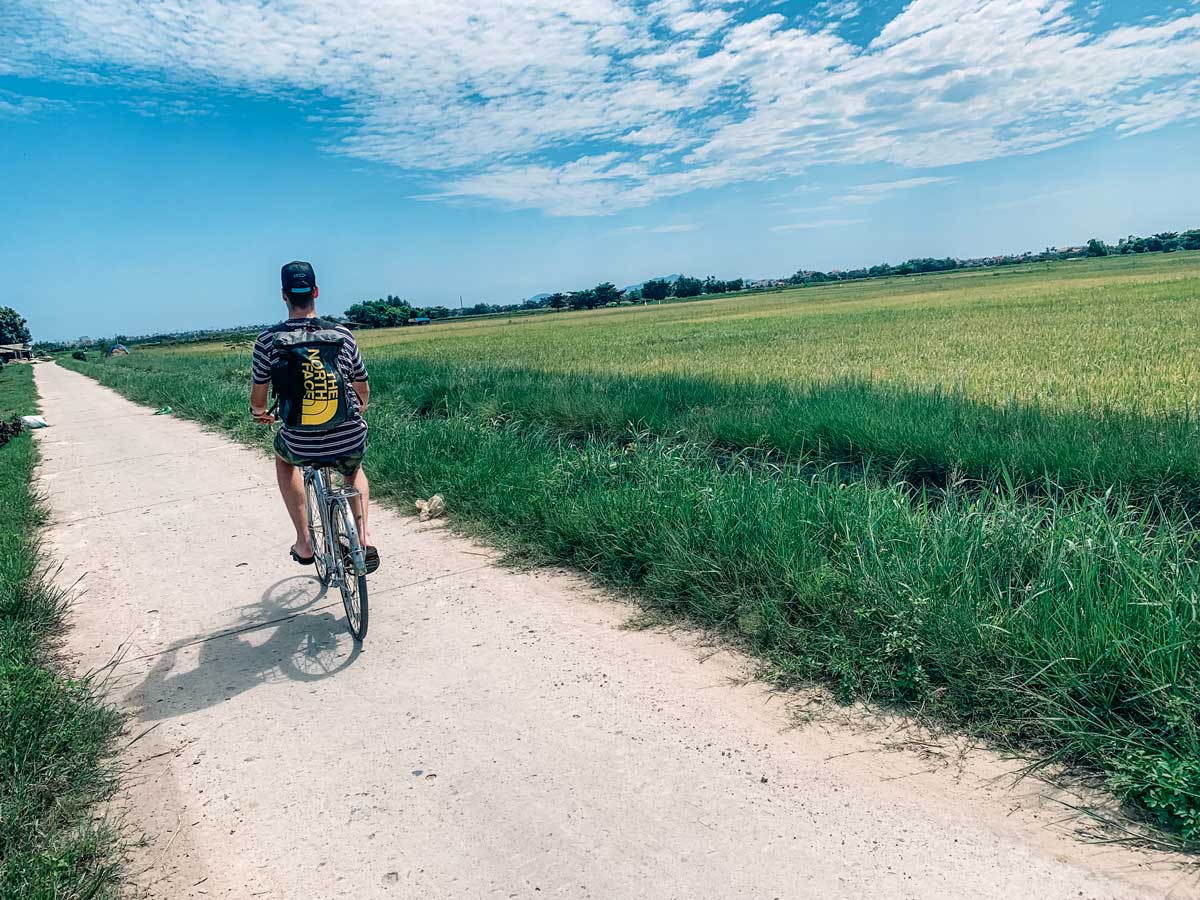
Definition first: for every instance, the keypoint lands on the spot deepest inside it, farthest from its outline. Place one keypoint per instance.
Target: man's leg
(291, 487)
(359, 504)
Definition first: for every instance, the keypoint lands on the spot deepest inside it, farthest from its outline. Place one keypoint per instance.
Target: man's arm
(363, 389)
(358, 374)
(258, 404)
(260, 366)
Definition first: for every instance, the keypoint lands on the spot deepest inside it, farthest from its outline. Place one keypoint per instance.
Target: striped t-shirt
(351, 435)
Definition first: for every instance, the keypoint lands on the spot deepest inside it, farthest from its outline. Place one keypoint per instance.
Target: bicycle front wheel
(353, 584)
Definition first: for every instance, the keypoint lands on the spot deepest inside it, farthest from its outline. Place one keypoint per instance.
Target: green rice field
(1119, 331)
(973, 495)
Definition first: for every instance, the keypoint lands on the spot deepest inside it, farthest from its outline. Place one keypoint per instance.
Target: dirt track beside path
(500, 734)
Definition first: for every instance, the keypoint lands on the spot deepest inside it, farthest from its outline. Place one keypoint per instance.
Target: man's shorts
(346, 463)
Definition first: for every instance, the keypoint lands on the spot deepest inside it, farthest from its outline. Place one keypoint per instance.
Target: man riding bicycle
(308, 360)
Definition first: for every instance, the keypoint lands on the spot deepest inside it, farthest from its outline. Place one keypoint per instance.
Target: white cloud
(13, 105)
(593, 106)
(818, 223)
(904, 184)
(837, 9)
(873, 193)
(655, 229)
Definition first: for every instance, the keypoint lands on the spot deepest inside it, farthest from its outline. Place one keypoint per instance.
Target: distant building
(419, 320)
(15, 353)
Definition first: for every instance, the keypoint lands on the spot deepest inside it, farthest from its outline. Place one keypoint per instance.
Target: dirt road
(500, 735)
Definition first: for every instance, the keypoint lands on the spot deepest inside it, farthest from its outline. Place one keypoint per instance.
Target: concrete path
(500, 734)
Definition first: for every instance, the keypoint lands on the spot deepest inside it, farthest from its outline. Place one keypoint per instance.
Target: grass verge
(56, 734)
(926, 437)
(1064, 622)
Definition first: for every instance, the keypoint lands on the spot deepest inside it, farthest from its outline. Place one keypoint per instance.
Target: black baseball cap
(298, 277)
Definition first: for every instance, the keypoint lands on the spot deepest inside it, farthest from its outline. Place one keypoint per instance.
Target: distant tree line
(200, 335)
(657, 289)
(390, 311)
(687, 286)
(1165, 242)
(604, 294)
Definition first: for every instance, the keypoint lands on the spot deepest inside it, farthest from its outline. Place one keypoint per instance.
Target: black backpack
(306, 379)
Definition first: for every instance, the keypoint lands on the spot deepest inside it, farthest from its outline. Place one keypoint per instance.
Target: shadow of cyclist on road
(305, 640)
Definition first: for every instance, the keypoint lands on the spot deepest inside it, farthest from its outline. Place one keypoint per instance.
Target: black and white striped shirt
(351, 435)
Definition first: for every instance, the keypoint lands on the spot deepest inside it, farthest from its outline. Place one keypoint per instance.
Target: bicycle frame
(330, 502)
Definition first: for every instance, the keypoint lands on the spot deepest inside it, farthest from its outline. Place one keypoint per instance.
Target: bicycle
(337, 553)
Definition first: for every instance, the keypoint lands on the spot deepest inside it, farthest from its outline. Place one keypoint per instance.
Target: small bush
(10, 429)
(1166, 785)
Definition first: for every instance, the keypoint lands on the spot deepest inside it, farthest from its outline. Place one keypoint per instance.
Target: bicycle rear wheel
(353, 584)
(316, 531)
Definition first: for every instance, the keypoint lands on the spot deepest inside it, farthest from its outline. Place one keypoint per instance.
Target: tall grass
(925, 437)
(1063, 619)
(932, 437)
(56, 734)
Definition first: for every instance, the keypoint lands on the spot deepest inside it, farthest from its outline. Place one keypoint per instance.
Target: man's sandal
(303, 560)
(371, 558)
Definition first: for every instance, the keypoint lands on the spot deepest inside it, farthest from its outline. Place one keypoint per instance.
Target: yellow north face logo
(319, 400)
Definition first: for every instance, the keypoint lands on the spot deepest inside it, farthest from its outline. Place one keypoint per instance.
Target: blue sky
(159, 159)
